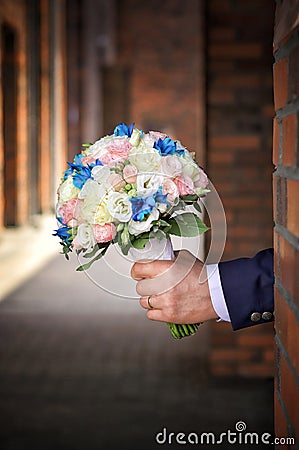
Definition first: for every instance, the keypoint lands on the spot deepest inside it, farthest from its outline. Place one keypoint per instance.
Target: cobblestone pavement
(82, 370)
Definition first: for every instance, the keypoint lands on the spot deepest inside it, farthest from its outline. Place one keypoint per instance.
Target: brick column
(286, 216)
(239, 132)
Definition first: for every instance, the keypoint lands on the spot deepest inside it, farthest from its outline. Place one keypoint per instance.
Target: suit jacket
(248, 285)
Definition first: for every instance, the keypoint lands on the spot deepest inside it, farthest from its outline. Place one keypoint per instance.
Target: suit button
(255, 317)
(267, 315)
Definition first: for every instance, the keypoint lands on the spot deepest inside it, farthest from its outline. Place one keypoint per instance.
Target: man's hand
(175, 292)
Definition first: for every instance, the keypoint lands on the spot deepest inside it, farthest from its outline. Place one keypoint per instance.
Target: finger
(155, 314)
(144, 302)
(149, 269)
(154, 301)
(154, 286)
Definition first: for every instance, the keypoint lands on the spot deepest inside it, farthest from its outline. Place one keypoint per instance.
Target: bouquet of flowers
(125, 189)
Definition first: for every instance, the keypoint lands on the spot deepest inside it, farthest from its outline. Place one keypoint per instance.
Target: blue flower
(67, 173)
(123, 130)
(83, 173)
(141, 207)
(167, 146)
(159, 197)
(79, 178)
(64, 233)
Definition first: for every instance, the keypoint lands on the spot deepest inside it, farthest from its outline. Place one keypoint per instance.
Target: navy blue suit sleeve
(248, 285)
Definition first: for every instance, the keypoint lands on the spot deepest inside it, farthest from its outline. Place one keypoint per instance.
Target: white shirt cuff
(216, 293)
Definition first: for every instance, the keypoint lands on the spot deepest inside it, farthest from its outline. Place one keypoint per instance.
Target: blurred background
(80, 368)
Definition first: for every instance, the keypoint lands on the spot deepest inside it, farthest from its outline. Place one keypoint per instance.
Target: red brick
(286, 328)
(256, 340)
(219, 6)
(280, 200)
(296, 281)
(287, 265)
(235, 141)
(222, 370)
(294, 73)
(276, 135)
(281, 428)
(289, 135)
(232, 355)
(221, 97)
(280, 78)
(237, 80)
(221, 34)
(268, 355)
(293, 206)
(290, 394)
(235, 50)
(262, 369)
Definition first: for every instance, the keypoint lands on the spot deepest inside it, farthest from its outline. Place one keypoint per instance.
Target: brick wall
(239, 146)
(159, 45)
(286, 216)
(14, 17)
(32, 113)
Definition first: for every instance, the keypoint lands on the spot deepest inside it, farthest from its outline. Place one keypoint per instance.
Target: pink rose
(86, 160)
(104, 233)
(69, 210)
(130, 173)
(117, 150)
(171, 189)
(185, 185)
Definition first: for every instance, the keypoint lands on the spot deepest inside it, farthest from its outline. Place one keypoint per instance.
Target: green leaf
(163, 223)
(98, 256)
(140, 242)
(96, 248)
(190, 198)
(124, 240)
(197, 206)
(188, 225)
(87, 144)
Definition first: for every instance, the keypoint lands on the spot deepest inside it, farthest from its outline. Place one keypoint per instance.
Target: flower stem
(179, 331)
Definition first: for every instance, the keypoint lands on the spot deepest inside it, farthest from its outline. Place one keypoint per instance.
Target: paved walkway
(82, 370)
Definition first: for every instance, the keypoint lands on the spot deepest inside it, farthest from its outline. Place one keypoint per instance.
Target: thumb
(149, 269)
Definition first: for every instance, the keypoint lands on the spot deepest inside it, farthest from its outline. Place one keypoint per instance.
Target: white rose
(101, 174)
(92, 194)
(92, 190)
(119, 206)
(84, 238)
(148, 184)
(145, 158)
(190, 168)
(67, 190)
(171, 166)
(136, 227)
(89, 209)
(102, 214)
